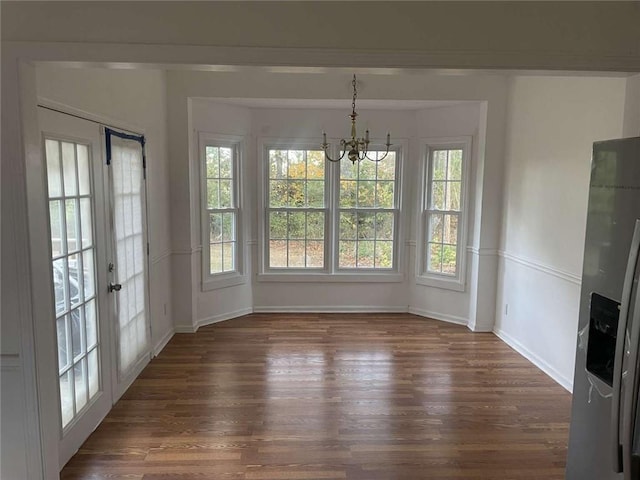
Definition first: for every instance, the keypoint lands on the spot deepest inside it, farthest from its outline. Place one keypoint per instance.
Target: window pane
(366, 226)
(66, 397)
(69, 169)
(278, 164)
(54, 177)
(348, 170)
(213, 194)
(211, 158)
(453, 196)
(366, 193)
(450, 229)
(296, 253)
(455, 165)
(297, 164)
(215, 258)
(439, 171)
(215, 227)
(384, 194)
(347, 193)
(366, 170)
(449, 253)
(278, 193)
(296, 228)
(315, 254)
(84, 180)
(315, 164)
(384, 226)
(278, 225)
(434, 263)
(55, 219)
(365, 254)
(315, 193)
(315, 225)
(296, 193)
(387, 167)
(278, 253)
(226, 194)
(384, 254)
(228, 258)
(228, 227)
(435, 228)
(348, 225)
(437, 195)
(226, 166)
(347, 254)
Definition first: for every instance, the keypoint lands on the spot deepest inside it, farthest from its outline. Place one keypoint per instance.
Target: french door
(97, 228)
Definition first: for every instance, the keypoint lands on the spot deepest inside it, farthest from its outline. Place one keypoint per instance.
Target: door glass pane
(66, 397)
(80, 377)
(127, 189)
(93, 373)
(69, 169)
(73, 270)
(54, 179)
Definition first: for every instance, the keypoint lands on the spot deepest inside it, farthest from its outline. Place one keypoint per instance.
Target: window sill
(223, 281)
(444, 283)
(390, 277)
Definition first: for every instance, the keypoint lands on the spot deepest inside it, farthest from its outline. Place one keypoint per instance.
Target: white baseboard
(223, 316)
(163, 342)
(535, 359)
(330, 309)
(185, 329)
(443, 317)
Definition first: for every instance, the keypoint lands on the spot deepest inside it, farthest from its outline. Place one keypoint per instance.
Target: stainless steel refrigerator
(604, 441)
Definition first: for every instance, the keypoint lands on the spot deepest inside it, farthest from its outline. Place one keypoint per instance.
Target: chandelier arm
(336, 160)
(378, 159)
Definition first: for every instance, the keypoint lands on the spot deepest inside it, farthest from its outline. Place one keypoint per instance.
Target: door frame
(41, 302)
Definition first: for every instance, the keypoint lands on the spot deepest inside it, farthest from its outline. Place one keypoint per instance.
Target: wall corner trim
(566, 383)
(442, 317)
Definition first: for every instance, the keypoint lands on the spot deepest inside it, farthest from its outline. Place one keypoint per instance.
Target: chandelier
(355, 149)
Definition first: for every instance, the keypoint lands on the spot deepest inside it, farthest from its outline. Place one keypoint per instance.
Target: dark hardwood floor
(333, 396)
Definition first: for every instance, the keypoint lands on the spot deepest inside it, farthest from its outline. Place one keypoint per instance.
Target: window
(324, 218)
(220, 222)
(367, 211)
(296, 209)
(444, 213)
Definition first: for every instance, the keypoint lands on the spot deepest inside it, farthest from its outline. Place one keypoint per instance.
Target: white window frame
(433, 279)
(330, 272)
(212, 281)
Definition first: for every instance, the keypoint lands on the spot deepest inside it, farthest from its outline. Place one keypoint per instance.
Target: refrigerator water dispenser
(603, 329)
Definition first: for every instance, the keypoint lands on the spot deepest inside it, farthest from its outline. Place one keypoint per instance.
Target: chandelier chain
(353, 103)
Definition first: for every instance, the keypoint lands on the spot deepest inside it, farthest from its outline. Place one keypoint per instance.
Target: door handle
(619, 353)
(114, 287)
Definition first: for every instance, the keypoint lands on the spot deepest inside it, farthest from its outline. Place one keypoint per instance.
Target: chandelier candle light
(356, 148)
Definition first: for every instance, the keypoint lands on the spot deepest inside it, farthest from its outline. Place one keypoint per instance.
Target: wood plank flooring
(333, 396)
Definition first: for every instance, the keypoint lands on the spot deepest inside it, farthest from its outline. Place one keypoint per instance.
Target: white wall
(185, 91)
(632, 107)
(232, 301)
(552, 123)
(137, 100)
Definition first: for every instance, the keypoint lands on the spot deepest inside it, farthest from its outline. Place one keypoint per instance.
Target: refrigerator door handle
(631, 396)
(619, 354)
